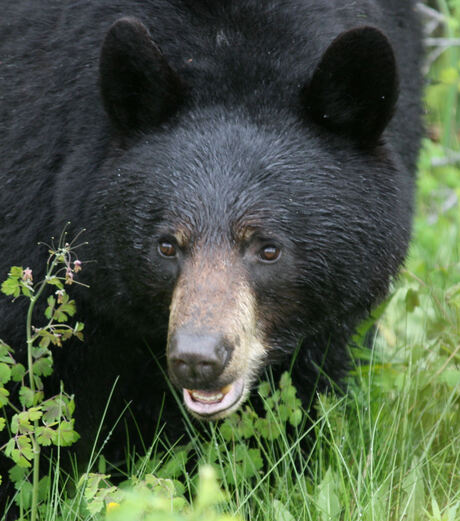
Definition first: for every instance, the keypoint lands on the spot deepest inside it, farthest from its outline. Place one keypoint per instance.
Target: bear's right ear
(354, 88)
(139, 89)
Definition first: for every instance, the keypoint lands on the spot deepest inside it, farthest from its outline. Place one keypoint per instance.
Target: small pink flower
(69, 276)
(60, 294)
(27, 275)
(76, 266)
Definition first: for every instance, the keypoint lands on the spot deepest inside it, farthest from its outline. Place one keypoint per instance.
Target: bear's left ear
(139, 88)
(354, 88)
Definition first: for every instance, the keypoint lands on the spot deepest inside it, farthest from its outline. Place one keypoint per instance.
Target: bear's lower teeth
(208, 398)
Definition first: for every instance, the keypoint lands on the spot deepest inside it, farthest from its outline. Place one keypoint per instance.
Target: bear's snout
(196, 361)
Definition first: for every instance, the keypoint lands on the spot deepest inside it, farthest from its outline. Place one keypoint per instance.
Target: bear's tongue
(208, 403)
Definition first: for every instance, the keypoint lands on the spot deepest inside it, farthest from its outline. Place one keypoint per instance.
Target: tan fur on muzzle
(213, 296)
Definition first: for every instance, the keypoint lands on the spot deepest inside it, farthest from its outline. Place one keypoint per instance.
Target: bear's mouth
(214, 404)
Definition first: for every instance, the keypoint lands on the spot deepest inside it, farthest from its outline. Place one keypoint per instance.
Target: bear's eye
(269, 253)
(167, 249)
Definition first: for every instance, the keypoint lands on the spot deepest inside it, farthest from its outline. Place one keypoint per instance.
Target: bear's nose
(196, 361)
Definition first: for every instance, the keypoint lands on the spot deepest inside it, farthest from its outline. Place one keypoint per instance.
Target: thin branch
(450, 158)
(429, 12)
(442, 42)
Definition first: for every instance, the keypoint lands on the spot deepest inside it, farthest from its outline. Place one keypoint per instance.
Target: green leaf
(5, 373)
(9, 447)
(451, 377)
(95, 506)
(268, 427)
(24, 496)
(79, 326)
(43, 366)
(77, 332)
(65, 434)
(5, 349)
(2, 423)
(39, 386)
(35, 413)
(412, 300)
(55, 281)
(262, 427)
(288, 395)
(65, 334)
(11, 287)
(38, 352)
(226, 431)
(60, 316)
(452, 511)
(91, 482)
(175, 467)
(251, 460)
(283, 413)
(3, 397)
(45, 435)
(25, 447)
(53, 410)
(70, 405)
(327, 498)
(414, 488)
(246, 426)
(17, 474)
(20, 459)
(27, 291)
(435, 509)
(16, 271)
(285, 380)
(24, 425)
(46, 339)
(14, 424)
(43, 488)
(26, 396)
(296, 417)
(264, 389)
(17, 372)
(50, 309)
(69, 308)
(281, 512)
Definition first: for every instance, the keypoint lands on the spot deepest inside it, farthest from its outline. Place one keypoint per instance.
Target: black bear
(245, 173)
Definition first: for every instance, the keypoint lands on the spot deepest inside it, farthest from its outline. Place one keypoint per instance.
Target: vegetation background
(389, 450)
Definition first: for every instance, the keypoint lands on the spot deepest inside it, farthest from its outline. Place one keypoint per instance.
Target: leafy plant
(33, 420)
(155, 499)
(156, 489)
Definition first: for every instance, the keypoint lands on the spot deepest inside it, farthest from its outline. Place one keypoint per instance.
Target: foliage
(37, 421)
(155, 499)
(282, 411)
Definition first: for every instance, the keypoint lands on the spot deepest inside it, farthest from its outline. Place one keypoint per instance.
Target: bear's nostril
(196, 361)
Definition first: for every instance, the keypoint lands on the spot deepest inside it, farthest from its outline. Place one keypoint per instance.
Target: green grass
(389, 450)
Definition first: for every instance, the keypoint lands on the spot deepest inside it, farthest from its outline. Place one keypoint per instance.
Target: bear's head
(261, 228)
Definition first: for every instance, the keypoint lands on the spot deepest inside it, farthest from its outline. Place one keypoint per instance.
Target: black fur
(355, 86)
(213, 116)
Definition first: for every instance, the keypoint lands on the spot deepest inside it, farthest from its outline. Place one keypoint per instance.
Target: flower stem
(30, 341)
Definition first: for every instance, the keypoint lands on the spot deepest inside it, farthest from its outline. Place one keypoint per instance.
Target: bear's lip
(214, 404)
